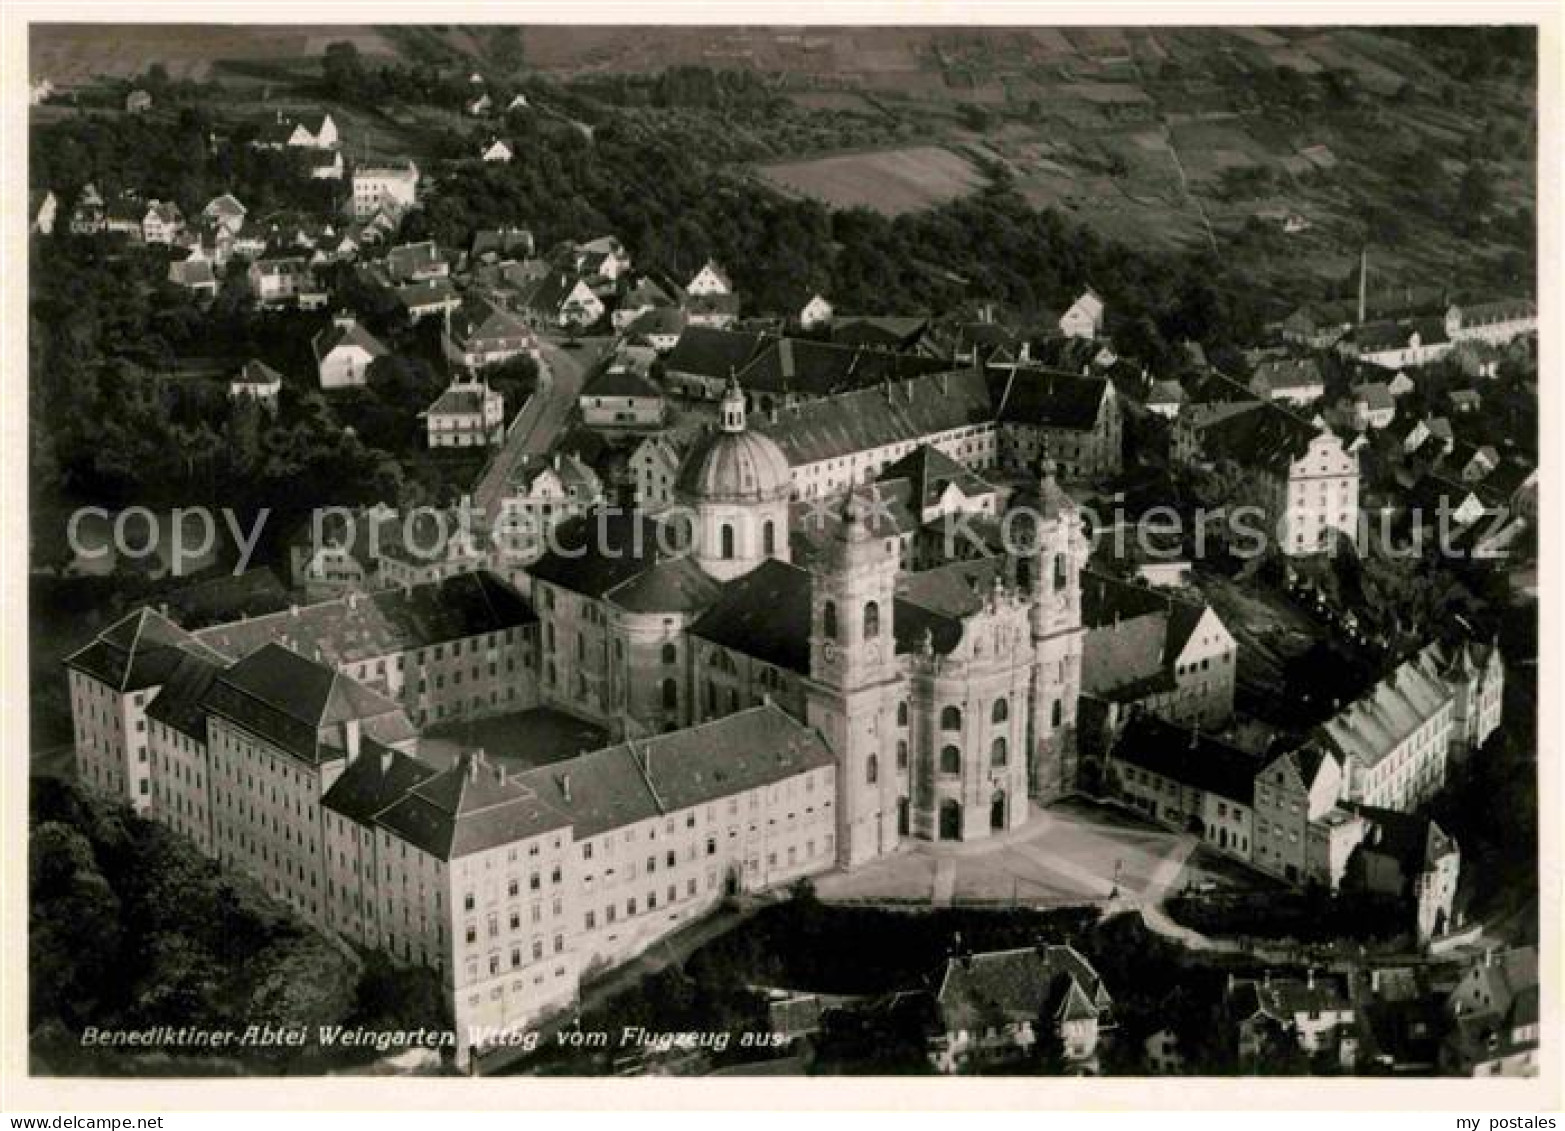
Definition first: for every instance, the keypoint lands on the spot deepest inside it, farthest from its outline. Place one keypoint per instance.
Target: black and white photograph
(780, 548)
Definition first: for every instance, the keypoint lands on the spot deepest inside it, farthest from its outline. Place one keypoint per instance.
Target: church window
(901, 753)
(1059, 571)
(871, 620)
(901, 714)
(951, 718)
(1056, 713)
(727, 536)
(872, 770)
(670, 694)
(1002, 710)
(769, 537)
(950, 760)
(829, 620)
(997, 753)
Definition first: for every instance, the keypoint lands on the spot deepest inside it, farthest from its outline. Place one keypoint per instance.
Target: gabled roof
(621, 381)
(883, 331)
(983, 991)
(1190, 757)
(257, 372)
(179, 703)
(406, 260)
(811, 368)
(373, 781)
(764, 614)
(478, 319)
(929, 472)
(1290, 374)
(1376, 723)
(368, 626)
(298, 704)
(427, 293)
(336, 336)
(594, 553)
(1047, 397)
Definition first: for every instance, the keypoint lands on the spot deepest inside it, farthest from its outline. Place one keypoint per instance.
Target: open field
(71, 54)
(892, 181)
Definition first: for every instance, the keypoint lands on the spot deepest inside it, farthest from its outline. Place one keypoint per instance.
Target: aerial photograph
(683, 551)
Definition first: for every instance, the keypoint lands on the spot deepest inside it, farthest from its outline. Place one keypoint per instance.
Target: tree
(342, 70)
(1474, 196)
(301, 981)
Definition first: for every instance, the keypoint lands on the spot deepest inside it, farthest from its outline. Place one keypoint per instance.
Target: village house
(433, 297)
(480, 332)
(384, 187)
(319, 131)
(1296, 380)
(226, 212)
(343, 353)
(990, 1006)
(1310, 480)
(540, 493)
(714, 309)
(1166, 398)
(603, 258)
(468, 414)
(138, 102)
(1374, 405)
(564, 301)
(491, 245)
(275, 282)
(641, 297)
(710, 280)
(327, 167)
(660, 328)
(621, 395)
(88, 215)
(194, 273)
(1495, 323)
(497, 151)
(654, 469)
(1397, 345)
(816, 314)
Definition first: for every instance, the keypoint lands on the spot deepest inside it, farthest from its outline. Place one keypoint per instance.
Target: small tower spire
(731, 414)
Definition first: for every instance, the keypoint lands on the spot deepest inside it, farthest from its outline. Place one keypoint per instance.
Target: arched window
(871, 620)
(901, 753)
(670, 694)
(951, 718)
(1056, 713)
(727, 536)
(829, 620)
(997, 752)
(1059, 571)
(670, 653)
(901, 714)
(1002, 710)
(769, 537)
(950, 760)
(872, 770)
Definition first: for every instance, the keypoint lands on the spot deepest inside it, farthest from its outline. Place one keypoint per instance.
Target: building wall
(180, 790)
(1409, 773)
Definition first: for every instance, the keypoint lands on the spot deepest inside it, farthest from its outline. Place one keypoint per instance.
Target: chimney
(1374, 981)
(350, 739)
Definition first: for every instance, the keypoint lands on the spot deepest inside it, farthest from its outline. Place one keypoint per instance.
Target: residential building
(991, 1006)
(480, 333)
(1296, 380)
(1188, 780)
(258, 381)
(226, 212)
(1496, 322)
(436, 297)
(467, 414)
(344, 352)
(416, 263)
(1494, 1018)
(815, 314)
(1084, 317)
(621, 395)
(1315, 1012)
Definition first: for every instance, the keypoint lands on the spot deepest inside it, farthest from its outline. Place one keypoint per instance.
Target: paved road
(538, 427)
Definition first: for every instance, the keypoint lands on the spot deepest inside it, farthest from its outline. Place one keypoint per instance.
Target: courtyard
(1070, 853)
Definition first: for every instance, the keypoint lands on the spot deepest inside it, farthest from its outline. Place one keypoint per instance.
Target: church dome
(734, 465)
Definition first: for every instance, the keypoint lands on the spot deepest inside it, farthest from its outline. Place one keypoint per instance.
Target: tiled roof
(1283, 999)
(478, 319)
(1417, 843)
(713, 354)
(404, 260)
(1288, 373)
(881, 330)
(1048, 398)
(764, 614)
(298, 704)
(179, 703)
(810, 368)
(646, 778)
(373, 781)
(460, 400)
(1190, 757)
(257, 372)
(983, 991)
(594, 553)
(471, 807)
(929, 472)
(427, 293)
(368, 626)
(676, 585)
(1259, 434)
(1375, 724)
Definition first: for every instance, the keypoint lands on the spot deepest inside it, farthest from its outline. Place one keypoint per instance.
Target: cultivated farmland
(890, 181)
